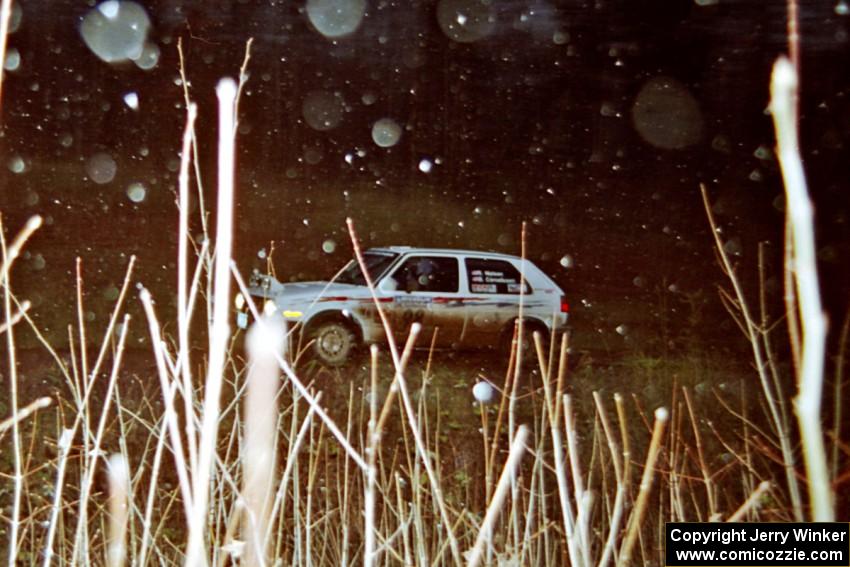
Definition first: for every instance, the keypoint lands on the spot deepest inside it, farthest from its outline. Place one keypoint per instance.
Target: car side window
(494, 276)
(428, 273)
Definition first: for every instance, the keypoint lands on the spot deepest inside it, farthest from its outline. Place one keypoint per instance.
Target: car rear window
(493, 276)
(428, 273)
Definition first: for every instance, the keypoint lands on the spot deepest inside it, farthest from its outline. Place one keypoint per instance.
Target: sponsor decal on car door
(494, 292)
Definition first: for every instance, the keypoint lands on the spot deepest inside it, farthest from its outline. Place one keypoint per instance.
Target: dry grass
(576, 484)
(248, 467)
(571, 483)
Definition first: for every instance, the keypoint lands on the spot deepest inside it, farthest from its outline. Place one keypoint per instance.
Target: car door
(493, 300)
(425, 288)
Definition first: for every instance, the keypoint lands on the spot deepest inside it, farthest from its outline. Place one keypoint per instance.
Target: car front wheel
(332, 343)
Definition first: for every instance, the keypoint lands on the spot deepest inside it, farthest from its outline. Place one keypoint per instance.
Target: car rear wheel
(332, 343)
(529, 351)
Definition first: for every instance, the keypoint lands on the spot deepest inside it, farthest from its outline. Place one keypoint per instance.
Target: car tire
(333, 342)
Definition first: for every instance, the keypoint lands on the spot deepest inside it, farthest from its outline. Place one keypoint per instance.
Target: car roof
(455, 251)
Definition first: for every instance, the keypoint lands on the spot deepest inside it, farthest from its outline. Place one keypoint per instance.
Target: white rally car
(461, 298)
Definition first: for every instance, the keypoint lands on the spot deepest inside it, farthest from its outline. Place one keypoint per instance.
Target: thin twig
(753, 333)
(751, 502)
(24, 413)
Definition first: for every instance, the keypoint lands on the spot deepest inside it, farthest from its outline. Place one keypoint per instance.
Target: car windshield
(376, 263)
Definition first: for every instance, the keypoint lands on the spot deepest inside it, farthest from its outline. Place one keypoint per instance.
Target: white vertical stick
(220, 331)
(508, 474)
(259, 454)
(783, 90)
(119, 511)
(373, 436)
(182, 275)
(5, 16)
(64, 444)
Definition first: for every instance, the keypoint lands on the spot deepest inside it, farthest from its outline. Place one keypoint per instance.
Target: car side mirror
(388, 285)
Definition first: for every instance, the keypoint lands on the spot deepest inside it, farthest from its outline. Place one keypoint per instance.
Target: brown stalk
(636, 519)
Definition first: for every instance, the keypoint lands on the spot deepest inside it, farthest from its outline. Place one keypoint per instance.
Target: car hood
(301, 292)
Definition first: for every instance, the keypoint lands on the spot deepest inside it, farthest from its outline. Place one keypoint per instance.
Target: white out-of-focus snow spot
(425, 165)
(17, 164)
(466, 21)
(328, 246)
(566, 261)
(16, 16)
(116, 30)
(148, 58)
(101, 168)
(483, 392)
(132, 100)
(323, 110)
(386, 132)
(110, 9)
(667, 115)
(13, 59)
(136, 192)
(336, 18)
(38, 262)
(734, 247)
